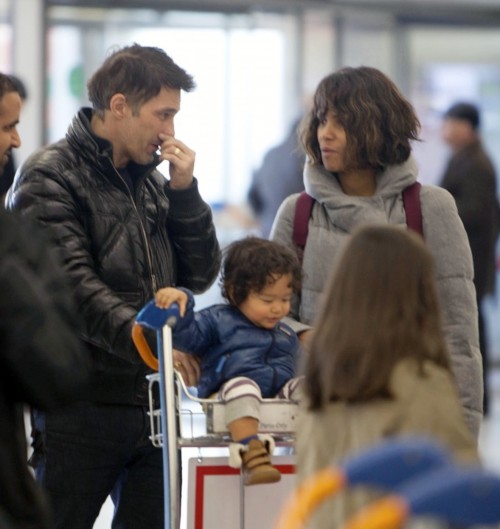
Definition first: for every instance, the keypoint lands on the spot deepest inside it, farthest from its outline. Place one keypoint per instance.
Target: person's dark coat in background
(279, 176)
(42, 363)
(470, 177)
(7, 177)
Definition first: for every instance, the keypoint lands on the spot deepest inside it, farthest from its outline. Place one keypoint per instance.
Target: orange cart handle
(143, 348)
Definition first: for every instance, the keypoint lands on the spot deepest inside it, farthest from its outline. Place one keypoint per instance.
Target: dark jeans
(86, 452)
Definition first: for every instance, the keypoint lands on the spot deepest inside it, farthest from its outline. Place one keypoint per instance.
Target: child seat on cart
(278, 416)
(206, 416)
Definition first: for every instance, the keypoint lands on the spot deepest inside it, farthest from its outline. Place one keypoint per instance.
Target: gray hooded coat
(335, 215)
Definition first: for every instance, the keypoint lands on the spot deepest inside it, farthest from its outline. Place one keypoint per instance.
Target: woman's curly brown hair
(379, 122)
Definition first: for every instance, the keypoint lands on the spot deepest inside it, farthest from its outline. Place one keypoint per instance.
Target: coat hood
(346, 211)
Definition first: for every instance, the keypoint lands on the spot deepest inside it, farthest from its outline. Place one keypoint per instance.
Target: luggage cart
(173, 426)
(419, 479)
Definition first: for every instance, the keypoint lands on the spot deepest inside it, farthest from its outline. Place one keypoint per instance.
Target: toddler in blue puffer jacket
(246, 352)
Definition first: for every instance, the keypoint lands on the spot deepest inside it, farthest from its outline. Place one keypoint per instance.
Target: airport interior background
(256, 64)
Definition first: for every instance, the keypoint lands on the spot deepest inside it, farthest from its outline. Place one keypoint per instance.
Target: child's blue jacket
(229, 345)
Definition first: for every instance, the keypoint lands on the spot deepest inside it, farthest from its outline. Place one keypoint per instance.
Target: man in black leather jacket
(42, 362)
(123, 231)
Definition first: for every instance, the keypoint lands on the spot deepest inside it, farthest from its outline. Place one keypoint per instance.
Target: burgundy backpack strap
(413, 211)
(303, 209)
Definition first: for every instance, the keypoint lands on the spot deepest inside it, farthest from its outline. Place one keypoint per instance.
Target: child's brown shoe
(256, 464)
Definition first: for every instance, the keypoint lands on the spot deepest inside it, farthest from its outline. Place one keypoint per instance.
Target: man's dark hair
(7, 85)
(20, 86)
(464, 111)
(137, 72)
(378, 121)
(252, 263)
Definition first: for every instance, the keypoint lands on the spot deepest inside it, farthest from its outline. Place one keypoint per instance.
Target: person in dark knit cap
(470, 177)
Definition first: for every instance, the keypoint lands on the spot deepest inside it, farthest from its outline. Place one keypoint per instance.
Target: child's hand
(166, 296)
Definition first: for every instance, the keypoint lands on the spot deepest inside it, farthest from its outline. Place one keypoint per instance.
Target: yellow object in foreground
(388, 513)
(308, 496)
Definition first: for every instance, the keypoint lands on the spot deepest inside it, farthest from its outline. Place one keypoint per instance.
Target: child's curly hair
(252, 263)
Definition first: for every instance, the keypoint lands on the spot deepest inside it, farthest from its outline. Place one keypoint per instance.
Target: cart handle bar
(156, 318)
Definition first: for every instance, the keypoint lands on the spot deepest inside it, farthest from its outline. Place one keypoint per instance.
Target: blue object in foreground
(154, 317)
(464, 496)
(394, 462)
(388, 466)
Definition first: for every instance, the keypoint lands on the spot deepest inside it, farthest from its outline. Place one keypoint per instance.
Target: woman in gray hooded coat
(357, 140)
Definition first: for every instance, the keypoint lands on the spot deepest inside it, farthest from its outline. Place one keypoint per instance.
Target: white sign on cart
(214, 495)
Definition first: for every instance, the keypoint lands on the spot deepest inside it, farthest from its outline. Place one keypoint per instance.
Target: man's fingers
(191, 367)
(188, 366)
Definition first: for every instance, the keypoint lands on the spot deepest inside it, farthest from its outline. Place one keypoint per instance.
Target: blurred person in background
(42, 363)
(11, 109)
(470, 177)
(9, 169)
(279, 176)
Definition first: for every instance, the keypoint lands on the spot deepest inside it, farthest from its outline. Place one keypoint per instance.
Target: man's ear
(118, 106)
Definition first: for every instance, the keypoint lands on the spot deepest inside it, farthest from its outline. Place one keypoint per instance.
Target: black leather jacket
(118, 245)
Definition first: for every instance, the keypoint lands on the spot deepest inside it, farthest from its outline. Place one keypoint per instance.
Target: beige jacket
(424, 406)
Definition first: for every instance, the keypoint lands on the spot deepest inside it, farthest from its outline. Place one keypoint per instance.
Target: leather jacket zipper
(149, 255)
